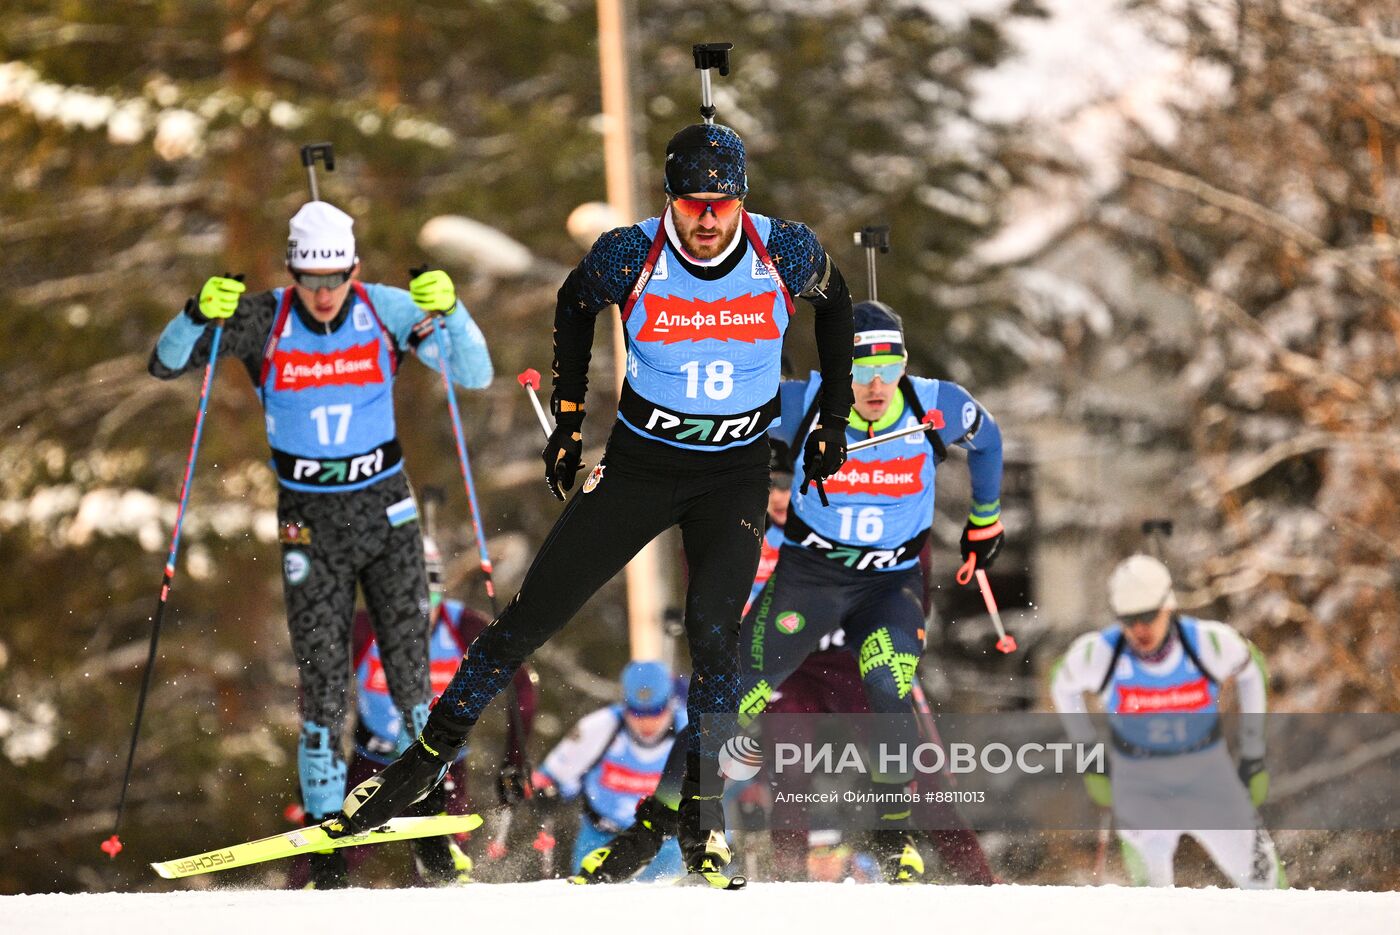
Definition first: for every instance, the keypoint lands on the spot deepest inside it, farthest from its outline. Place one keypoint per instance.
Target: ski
(314, 838)
(713, 879)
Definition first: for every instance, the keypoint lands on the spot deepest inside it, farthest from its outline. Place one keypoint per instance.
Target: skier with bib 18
(705, 291)
(853, 567)
(323, 353)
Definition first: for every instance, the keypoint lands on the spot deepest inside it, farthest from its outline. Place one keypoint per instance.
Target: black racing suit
(643, 487)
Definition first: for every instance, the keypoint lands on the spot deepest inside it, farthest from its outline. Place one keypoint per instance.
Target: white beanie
(1138, 585)
(320, 237)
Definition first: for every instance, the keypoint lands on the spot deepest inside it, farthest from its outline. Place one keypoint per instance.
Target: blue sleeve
(969, 426)
(468, 359)
(177, 342)
(791, 394)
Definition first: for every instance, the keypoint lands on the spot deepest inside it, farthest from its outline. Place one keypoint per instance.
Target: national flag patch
(402, 513)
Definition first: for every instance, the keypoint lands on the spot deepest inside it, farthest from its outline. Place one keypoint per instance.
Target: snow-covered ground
(762, 908)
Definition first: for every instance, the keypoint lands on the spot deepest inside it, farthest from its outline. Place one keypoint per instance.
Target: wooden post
(646, 594)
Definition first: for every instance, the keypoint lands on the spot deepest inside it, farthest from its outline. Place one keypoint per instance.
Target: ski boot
(632, 849)
(328, 871)
(387, 794)
(703, 846)
(900, 860)
(441, 862)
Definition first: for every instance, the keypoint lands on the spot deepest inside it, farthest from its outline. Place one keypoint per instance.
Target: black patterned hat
(706, 157)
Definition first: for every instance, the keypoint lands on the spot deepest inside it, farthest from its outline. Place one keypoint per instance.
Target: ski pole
(113, 845)
(309, 154)
(1005, 642)
(530, 380)
(1101, 849)
(931, 421)
(464, 462)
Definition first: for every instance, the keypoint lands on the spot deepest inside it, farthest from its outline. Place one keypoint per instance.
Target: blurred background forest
(1154, 237)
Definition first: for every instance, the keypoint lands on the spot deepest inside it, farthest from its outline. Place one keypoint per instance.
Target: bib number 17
(719, 379)
(322, 416)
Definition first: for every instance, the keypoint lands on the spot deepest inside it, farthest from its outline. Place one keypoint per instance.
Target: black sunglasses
(1132, 620)
(314, 281)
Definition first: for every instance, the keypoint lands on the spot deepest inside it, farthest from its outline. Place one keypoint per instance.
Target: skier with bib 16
(323, 353)
(705, 292)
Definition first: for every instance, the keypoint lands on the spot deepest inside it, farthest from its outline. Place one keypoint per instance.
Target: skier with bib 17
(705, 292)
(323, 352)
(855, 566)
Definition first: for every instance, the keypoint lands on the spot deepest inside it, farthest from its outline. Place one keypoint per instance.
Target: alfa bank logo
(1193, 696)
(619, 778)
(354, 366)
(897, 477)
(747, 318)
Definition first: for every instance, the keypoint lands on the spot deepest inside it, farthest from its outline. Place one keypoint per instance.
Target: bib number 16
(869, 523)
(719, 379)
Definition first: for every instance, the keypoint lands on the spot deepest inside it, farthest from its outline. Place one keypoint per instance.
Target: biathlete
(323, 353)
(706, 294)
(855, 565)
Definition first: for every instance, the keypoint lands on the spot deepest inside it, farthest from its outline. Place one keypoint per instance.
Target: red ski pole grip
(529, 377)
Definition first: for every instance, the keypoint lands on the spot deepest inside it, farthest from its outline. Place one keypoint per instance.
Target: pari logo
(353, 366)
(671, 319)
(740, 758)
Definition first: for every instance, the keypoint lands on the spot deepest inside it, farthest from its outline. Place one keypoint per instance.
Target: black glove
(563, 453)
(983, 542)
(823, 454)
(512, 785)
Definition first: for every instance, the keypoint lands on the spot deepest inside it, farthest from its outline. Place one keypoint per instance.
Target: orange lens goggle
(722, 208)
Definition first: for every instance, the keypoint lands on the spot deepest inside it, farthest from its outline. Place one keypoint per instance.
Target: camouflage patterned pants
(332, 542)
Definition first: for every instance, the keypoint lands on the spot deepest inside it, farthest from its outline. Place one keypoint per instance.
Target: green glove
(1100, 789)
(1256, 779)
(219, 297)
(432, 291)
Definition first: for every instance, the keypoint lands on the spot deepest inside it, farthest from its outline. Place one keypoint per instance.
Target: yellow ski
(315, 838)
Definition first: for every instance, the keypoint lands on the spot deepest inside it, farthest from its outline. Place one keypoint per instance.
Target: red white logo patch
(1192, 696)
(629, 781)
(897, 477)
(353, 366)
(747, 318)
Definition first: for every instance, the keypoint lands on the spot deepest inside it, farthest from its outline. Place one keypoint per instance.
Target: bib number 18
(719, 379)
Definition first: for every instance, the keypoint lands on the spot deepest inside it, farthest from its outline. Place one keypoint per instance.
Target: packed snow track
(557, 907)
